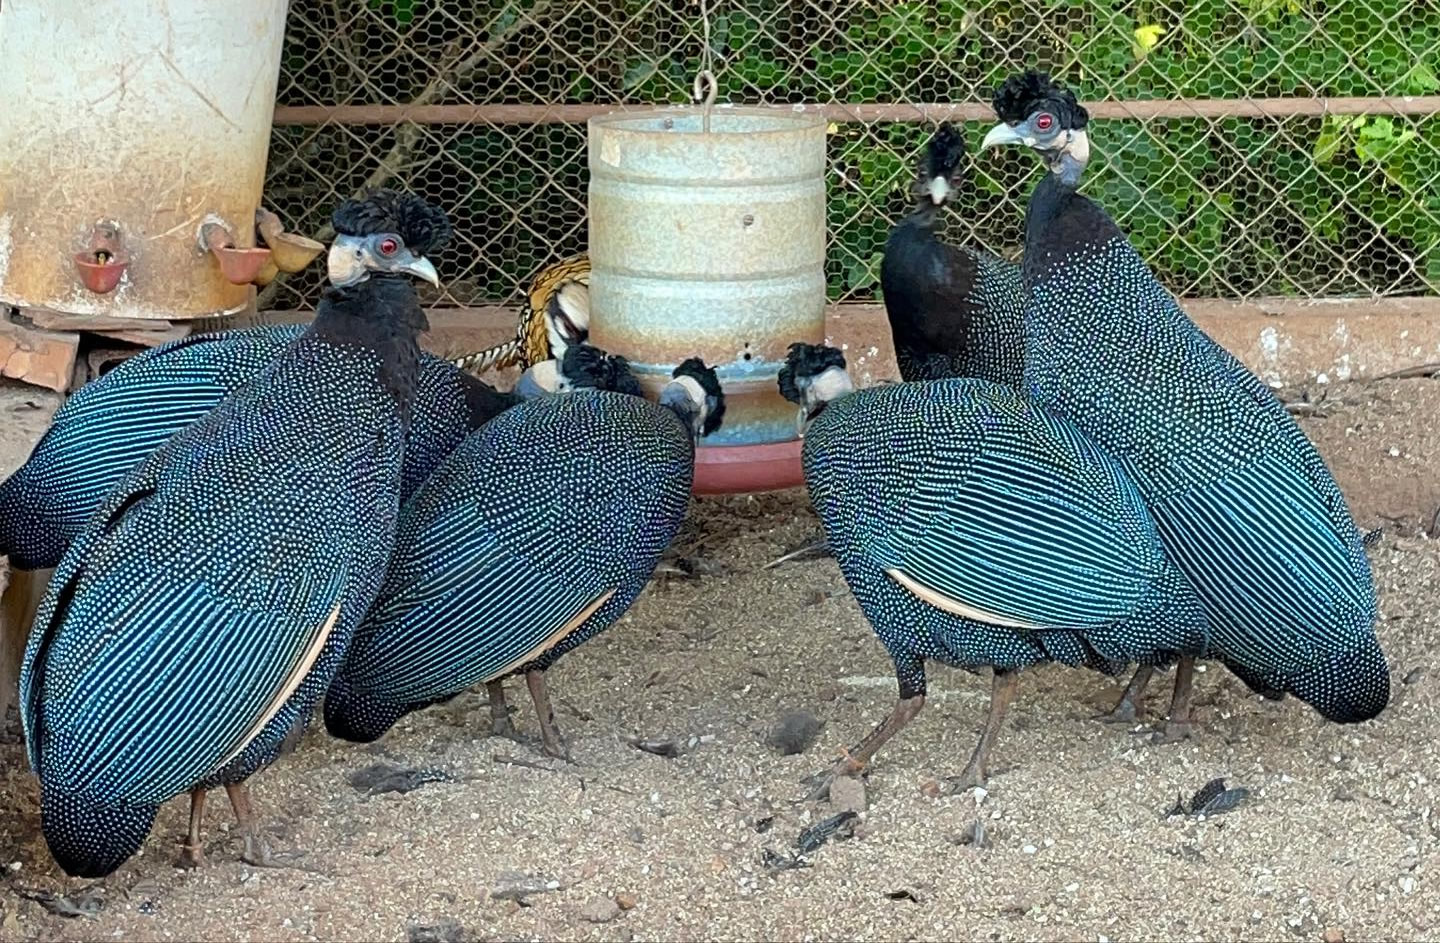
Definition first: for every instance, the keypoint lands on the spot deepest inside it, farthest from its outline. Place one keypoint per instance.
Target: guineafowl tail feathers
(354, 717)
(1351, 687)
(88, 840)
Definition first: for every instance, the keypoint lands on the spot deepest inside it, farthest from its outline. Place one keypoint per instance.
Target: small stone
(443, 930)
(975, 834)
(626, 901)
(930, 789)
(847, 794)
(795, 732)
(515, 886)
(600, 910)
(1414, 676)
(1029, 849)
(1333, 935)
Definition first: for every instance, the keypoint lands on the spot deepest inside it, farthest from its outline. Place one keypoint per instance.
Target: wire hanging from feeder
(705, 88)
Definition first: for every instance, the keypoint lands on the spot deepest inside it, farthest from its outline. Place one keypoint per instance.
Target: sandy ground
(1337, 836)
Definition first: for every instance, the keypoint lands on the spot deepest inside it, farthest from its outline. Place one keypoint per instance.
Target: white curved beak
(1002, 134)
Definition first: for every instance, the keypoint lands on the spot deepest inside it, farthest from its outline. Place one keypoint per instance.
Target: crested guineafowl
(111, 424)
(1243, 502)
(954, 312)
(487, 581)
(976, 529)
(207, 604)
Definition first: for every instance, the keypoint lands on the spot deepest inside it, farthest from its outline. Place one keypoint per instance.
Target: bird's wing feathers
(469, 604)
(1025, 544)
(1261, 550)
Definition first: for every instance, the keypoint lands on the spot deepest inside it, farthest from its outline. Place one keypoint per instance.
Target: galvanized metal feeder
(710, 242)
(136, 140)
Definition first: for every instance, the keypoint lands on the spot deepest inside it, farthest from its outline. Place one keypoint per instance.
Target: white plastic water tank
(132, 121)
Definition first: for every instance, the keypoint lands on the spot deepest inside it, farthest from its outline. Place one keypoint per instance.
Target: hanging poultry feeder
(142, 120)
(710, 242)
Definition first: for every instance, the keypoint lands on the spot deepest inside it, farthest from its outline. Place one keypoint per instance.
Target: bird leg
(1178, 727)
(500, 723)
(1130, 708)
(192, 854)
(257, 850)
(552, 744)
(1002, 692)
(854, 760)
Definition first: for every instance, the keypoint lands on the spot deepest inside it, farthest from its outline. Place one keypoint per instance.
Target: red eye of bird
(1043, 123)
(388, 246)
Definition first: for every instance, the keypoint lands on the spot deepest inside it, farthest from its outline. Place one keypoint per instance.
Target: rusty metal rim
(742, 469)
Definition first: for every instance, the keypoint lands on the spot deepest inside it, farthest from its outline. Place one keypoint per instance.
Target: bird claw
(257, 854)
(1124, 713)
(1172, 732)
(504, 727)
(191, 856)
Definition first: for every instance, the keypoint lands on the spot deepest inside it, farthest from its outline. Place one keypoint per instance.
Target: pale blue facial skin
(352, 259)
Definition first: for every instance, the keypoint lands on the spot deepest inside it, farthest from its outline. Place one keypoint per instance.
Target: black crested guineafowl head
(386, 234)
(694, 395)
(944, 165)
(813, 376)
(582, 367)
(1044, 116)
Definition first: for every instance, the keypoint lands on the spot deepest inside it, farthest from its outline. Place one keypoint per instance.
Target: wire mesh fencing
(1248, 147)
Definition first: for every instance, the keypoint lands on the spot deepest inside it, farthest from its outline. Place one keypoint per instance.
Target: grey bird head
(386, 234)
(1045, 117)
(813, 376)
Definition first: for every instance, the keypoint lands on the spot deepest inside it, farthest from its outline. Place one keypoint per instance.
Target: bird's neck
(382, 314)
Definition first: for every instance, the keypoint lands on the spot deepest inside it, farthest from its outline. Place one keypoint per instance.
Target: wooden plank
(173, 332)
(18, 602)
(64, 321)
(42, 358)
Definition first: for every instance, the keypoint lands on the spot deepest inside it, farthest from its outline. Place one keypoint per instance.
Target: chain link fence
(1210, 146)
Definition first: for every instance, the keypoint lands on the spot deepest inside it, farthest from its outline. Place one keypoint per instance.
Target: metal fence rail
(1249, 147)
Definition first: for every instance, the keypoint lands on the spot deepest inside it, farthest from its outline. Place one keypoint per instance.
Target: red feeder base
(741, 469)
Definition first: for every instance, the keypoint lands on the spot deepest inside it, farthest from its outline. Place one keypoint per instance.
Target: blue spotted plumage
(111, 424)
(1245, 505)
(976, 529)
(534, 536)
(953, 311)
(207, 603)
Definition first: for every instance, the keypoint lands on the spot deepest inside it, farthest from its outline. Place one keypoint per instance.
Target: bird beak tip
(422, 268)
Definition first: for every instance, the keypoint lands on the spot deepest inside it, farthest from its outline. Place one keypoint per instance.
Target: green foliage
(1340, 204)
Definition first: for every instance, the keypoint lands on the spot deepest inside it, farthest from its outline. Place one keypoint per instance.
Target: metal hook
(705, 81)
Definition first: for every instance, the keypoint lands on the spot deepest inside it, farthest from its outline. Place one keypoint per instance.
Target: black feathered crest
(695, 369)
(804, 363)
(588, 367)
(944, 152)
(1022, 95)
(425, 228)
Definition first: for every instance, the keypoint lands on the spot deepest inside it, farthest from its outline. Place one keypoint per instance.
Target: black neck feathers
(383, 314)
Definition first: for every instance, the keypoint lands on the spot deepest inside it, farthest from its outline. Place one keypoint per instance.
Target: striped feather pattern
(533, 518)
(972, 492)
(174, 621)
(1245, 505)
(110, 425)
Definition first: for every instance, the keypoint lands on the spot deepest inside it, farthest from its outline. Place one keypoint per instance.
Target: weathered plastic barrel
(143, 117)
(712, 245)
